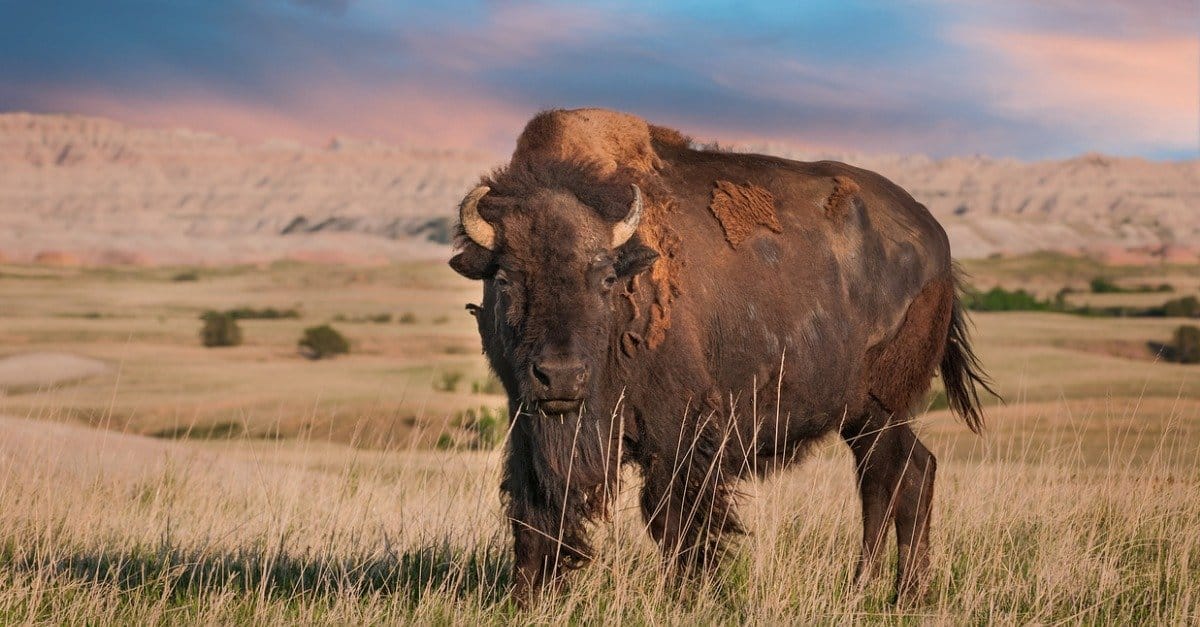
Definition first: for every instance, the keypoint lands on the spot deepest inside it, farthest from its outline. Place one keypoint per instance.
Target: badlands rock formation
(86, 190)
(1123, 210)
(79, 190)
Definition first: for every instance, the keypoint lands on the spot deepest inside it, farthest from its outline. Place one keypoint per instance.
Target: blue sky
(1019, 78)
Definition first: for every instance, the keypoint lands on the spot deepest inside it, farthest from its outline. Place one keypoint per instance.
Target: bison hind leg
(895, 480)
(901, 368)
(895, 470)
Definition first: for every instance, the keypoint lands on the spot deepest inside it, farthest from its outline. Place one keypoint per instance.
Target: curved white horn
(476, 227)
(625, 229)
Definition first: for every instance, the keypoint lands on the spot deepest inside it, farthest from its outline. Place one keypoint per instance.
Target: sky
(1022, 78)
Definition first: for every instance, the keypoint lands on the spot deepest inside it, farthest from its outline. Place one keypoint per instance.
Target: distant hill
(1120, 209)
(78, 189)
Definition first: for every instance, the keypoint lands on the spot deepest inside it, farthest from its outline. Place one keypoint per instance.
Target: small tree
(323, 341)
(1185, 346)
(220, 329)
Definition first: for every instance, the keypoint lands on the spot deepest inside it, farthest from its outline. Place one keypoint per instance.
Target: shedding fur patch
(741, 209)
(655, 230)
(844, 190)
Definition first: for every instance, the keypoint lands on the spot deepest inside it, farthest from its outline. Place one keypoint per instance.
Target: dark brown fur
(723, 363)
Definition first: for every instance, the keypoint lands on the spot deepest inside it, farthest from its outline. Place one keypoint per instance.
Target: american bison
(704, 315)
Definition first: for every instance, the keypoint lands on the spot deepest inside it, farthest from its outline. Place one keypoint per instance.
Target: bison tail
(962, 374)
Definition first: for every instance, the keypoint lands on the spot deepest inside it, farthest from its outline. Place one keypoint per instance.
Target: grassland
(249, 484)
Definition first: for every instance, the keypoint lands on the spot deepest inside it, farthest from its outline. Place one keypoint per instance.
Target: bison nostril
(540, 375)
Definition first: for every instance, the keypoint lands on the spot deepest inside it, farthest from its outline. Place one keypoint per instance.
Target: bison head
(553, 260)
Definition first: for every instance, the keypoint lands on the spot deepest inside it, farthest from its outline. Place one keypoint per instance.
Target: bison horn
(476, 227)
(625, 229)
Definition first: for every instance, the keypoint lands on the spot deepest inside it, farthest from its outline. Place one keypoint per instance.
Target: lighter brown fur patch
(844, 190)
(742, 208)
(609, 139)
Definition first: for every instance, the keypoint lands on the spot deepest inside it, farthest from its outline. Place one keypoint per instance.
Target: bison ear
(473, 262)
(634, 258)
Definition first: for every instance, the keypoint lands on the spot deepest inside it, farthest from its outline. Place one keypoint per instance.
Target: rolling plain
(146, 478)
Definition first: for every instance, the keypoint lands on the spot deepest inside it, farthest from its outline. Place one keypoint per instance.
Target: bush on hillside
(266, 313)
(323, 341)
(1185, 345)
(220, 329)
(1186, 307)
(1102, 285)
(1000, 299)
(489, 426)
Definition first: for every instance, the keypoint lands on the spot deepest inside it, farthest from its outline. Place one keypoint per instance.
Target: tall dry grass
(98, 526)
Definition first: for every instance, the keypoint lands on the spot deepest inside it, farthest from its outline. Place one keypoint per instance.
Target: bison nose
(559, 378)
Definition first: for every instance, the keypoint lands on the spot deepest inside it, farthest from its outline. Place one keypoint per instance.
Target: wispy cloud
(1029, 79)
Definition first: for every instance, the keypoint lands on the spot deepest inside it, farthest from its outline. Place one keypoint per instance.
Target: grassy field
(249, 484)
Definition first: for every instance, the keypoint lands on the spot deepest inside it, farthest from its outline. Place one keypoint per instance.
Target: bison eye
(501, 280)
(610, 281)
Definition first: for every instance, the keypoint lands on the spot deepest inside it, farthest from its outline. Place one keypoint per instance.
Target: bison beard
(687, 294)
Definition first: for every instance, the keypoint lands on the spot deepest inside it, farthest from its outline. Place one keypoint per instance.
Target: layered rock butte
(82, 190)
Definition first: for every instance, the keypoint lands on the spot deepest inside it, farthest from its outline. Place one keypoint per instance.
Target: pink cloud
(1133, 91)
(425, 116)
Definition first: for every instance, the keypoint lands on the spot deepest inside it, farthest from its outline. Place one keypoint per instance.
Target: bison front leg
(688, 505)
(549, 509)
(542, 554)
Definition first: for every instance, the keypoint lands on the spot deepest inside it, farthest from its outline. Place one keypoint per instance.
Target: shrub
(408, 317)
(323, 341)
(488, 426)
(448, 382)
(1000, 299)
(188, 275)
(1186, 307)
(267, 313)
(445, 442)
(1102, 285)
(1185, 345)
(441, 320)
(220, 329)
